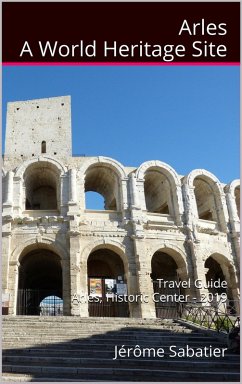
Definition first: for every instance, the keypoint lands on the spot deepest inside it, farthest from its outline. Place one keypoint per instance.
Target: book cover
(121, 191)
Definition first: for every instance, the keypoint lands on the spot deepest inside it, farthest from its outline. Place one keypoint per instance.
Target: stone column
(123, 193)
(133, 191)
(132, 282)
(83, 290)
(232, 284)
(72, 186)
(19, 197)
(177, 204)
(141, 193)
(82, 192)
(74, 272)
(199, 272)
(232, 209)
(191, 213)
(235, 227)
(6, 251)
(66, 287)
(183, 276)
(145, 285)
(13, 287)
(9, 189)
(223, 216)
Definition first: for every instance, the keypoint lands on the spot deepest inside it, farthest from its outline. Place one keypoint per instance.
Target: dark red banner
(121, 32)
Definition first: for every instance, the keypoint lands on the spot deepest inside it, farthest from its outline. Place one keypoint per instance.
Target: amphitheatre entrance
(164, 269)
(40, 284)
(106, 282)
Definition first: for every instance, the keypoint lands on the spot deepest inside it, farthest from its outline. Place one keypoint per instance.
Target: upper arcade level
(152, 196)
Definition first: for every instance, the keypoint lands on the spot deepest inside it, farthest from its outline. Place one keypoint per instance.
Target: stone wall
(132, 225)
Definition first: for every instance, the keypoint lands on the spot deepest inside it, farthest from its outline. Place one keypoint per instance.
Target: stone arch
(22, 168)
(113, 245)
(233, 191)
(42, 183)
(162, 188)
(167, 169)
(178, 255)
(105, 176)
(105, 264)
(26, 251)
(109, 162)
(220, 267)
(231, 186)
(167, 267)
(34, 242)
(209, 196)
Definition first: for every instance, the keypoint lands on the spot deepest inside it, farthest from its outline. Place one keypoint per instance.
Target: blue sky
(187, 117)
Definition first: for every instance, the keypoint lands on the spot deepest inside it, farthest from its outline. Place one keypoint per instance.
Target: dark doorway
(40, 276)
(214, 274)
(164, 267)
(106, 281)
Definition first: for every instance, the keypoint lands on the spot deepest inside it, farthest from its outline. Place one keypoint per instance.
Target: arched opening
(40, 276)
(214, 277)
(237, 199)
(41, 181)
(106, 280)
(157, 192)
(43, 147)
(205, 199)
(165, 284)
(104, 181)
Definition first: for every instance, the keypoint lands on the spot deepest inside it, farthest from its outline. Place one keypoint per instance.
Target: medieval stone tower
(155, 224)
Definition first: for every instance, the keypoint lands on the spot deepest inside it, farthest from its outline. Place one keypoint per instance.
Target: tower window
(43, 147)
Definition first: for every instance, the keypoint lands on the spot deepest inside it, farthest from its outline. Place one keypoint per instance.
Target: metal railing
(39, 302)
(212, 316)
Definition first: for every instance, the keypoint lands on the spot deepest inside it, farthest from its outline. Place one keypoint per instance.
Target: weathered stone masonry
(151, 214)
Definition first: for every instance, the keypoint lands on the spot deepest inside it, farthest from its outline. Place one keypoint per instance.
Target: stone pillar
(177, 203)
(141, 193)
(132, 282)
(66, 287)
(199, 272)
(13, 287)
(72, 186)
(223, 216)
(83, 290)
(74, 272)
(64, 194)
(234, 226)
(6, 251)
(133, 191)
(187, 274)
(145, 285)
(191, 213)
(123, 193)
(232, 284)
(82, 192)
(9, 189)
(232, 209)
